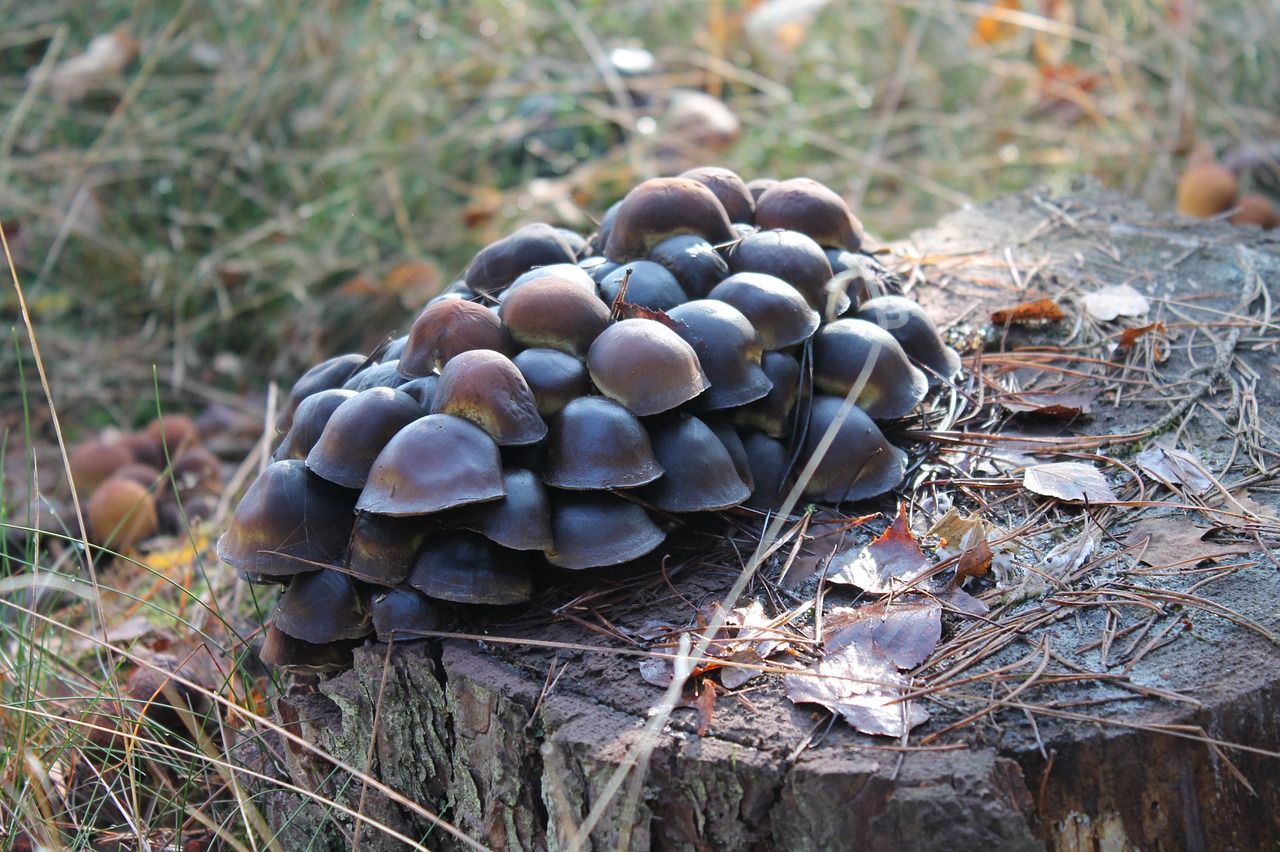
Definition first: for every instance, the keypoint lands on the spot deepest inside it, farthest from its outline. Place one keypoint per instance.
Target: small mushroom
(486, 388)
(121, 513)
(694, 262)
(357, 431)
(422, 389)
(649, 285)
(773, 413)
(729, 187)
(385, 374)
(781, 315)
(1256, 209)
(790, 255)
(554, 377)
(308, 424)
(519, 521)
(645, 366)
(728, 348)
(859, 277)
(404, 614)
(323, 606)
(288, 522)
(93, 461)
(911, 326)
(596, 444)
(465, 567)
(770, 471)
(283, 651)
(435, 463)
(700, 474)
(1206, 188)
(496, 265)
(664, 207)
(445, 329)
(859, 463)
(571, 272)
(172, 434)
(803, 204)
(593, 529)
(556, 313)
(328, 374)
(382, 547)
(758, 186)
(846, 350)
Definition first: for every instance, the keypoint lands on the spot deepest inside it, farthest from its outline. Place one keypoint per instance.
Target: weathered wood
(471, 731)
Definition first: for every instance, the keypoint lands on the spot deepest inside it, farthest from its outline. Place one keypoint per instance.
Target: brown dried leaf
(889, 563)
(1075, 481)
(975, 561)
(1041, 310)
(958, 533)
(1170, 541)
(1064, 406)
(1130, 336)
(705, 703)
(1119, 300)
(1172, 466)
(1253, 507)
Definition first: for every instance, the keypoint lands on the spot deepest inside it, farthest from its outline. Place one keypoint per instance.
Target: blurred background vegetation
(204, 197)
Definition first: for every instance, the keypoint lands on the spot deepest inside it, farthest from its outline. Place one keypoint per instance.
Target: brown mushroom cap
(803, 204)
(121, 513)
(700, 473)
(729, 187)
(773, 413)
(664, 207)
(283, 651)
(288, 522)
(384, 374)
(911, 326)
(519, 521)
(1206, 189)
(403, 614)
(860, 462)
(323, 606)
(444, 329)
(1256, 209)
(308, 424)
(554, 377)
(728, 348)
(556, 313)
(861, 277)
(645, 366)
(846, 349)
(93, 461)
(498, 264)
(596, 444)
(778, 311)
(759, 186)
(732, 441)
(571, 272)
(790, 255)
(382, 548)
(328, 374)
(435, 463)
(465, 567)
(486, 388)
(357, 431)
(594, 529)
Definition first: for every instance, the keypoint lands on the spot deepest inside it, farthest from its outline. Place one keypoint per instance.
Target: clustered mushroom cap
(645, 366)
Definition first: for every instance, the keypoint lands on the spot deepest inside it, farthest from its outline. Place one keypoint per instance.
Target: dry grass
(183, 232)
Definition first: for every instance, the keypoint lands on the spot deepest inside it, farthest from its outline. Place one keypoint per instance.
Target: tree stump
(1174, 745)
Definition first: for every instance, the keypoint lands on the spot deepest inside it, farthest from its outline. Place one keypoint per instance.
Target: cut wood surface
(1111, 697)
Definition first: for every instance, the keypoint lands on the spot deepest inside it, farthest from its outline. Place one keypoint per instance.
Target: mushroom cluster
(571, 400)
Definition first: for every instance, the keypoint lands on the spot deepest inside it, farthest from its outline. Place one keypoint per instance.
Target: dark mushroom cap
(382, 548)
(556, 313)
(594, 529)
(394, 348)
(554, 377)
(197, 470)
(803, 204)
(283, 651)
(384, 374)
(770, 461)
(790, 255)
(309, 421)
(596, 444)
(465, 567)
(779, 312)
(649, 285)
(860, 462)
(646, 366)
(447, 328)
(171, 434)
(404, 614)
(571, 272)
(435, 463)
(663, 207)
(732, 441)
(729, 188)
(601, 237)
(288, 522)
(422, 389)
(728, 348)
(487, 388)
(323, 606)
(846, 349)
(498, 264)
(519, 521)
(773, 413)
(700, 473)
(912, 327)
(597, 267)
(694, 262)
(861, 276)
(759, 186)
(357, 431)
(328, 374)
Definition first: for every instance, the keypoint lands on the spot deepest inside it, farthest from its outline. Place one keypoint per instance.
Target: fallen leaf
(733, 675)
(1075, 481)
(959, 533)
(1069, 555)
(705, 703)
(1064, 406)
(1130, 336)
(1041, 310)
(1253, 507)
(104, 58)
(1170, 541)
(890, 563)
(1118, 300)
(975, 561)
(1171, 466)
